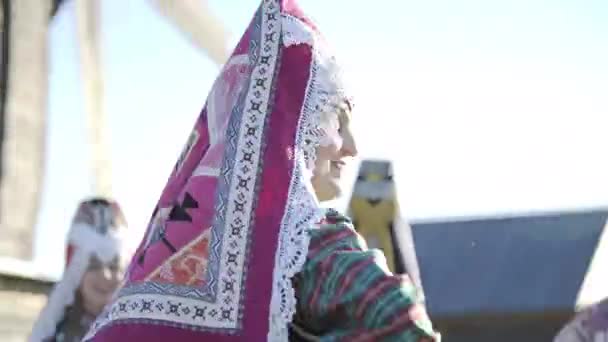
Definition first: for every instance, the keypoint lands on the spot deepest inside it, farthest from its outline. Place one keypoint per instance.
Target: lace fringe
(324, 94)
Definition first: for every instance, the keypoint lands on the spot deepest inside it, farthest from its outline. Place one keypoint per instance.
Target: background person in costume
(375, 212)
(373, 208)
(93, 271)
(238, 233)
(591, 325)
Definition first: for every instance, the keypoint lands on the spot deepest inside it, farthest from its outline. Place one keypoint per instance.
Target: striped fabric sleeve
(346, 293)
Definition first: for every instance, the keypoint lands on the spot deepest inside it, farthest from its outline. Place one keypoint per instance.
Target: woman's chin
(328, 190)
(94, 308)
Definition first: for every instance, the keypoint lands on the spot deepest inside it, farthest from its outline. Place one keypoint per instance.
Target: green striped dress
(346, 293)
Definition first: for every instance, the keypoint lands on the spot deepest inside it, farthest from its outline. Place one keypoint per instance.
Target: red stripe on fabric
(350, 275)
(325, 268)
(402, 322)
(316, 245)
(372, 295)
(346, 282)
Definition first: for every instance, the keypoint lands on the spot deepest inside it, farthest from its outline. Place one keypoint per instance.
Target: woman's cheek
(331, 139)
(324, 154)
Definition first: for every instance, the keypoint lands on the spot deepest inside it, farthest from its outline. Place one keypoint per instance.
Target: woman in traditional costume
(238, 247)
(91, 276)
(591, 325)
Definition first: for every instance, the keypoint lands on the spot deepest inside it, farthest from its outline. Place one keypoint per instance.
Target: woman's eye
(94, 266)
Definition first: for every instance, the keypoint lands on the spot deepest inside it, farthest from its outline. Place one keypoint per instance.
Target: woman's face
(98, 284)
(332, 154)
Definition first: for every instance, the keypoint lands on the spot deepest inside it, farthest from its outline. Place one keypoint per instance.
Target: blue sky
(484, 106)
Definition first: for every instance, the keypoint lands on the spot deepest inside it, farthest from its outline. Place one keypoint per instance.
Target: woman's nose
(349, 146)
(107, 273)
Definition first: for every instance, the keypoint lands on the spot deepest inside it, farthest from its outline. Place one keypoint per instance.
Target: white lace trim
(295, 32)
(302, 213)
(325, 91)
(61, 297)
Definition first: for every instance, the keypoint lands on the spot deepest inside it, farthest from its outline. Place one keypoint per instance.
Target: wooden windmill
(193, 19)
(23, 100)
(24, 92)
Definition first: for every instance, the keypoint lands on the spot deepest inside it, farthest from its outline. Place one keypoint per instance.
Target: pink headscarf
(230, 229)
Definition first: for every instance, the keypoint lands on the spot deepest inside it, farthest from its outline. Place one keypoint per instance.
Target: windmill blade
(24, 122)
(195, 20)
(88, 14)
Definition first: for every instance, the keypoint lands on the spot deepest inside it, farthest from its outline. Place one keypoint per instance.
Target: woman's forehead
(96, 261)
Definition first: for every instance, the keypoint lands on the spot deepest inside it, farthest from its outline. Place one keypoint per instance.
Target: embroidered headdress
(230, 229)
